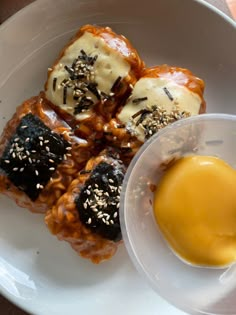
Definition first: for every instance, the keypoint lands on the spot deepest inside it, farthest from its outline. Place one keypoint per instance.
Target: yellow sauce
(195, 208)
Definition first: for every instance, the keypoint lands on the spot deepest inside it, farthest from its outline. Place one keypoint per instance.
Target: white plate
(37, 272)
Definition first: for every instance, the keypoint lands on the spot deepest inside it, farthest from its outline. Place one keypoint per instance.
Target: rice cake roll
(161, 96)
(87, 215)
(93, 74)
(39, 156)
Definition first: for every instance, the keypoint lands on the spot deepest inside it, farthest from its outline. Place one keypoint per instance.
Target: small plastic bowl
(195, 290)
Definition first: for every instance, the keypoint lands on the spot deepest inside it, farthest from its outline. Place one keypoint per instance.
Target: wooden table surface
(8, 8)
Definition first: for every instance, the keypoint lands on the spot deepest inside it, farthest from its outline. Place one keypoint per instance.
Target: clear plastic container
(195, 290)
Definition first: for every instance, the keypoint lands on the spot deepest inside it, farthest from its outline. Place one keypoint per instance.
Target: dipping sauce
(195, 208)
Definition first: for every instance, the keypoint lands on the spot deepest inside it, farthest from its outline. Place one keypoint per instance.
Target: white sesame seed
(65, 157)
(36, 172)
(13, 155)
(27, 152)
(69, 148)
(30, 160)
(47, 149)
(15, 169)
(41, 143)
(51, 161)
(88, 192)
(22, 169)
(115, 215)
(52, 169)
(110, 180)
(41, 186)
(46, 141)
(85, 205)
(23, 127)
(7, 161)
(89, 221)
(40, 138)
(38, 186)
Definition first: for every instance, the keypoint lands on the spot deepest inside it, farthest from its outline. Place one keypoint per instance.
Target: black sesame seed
(171, 98)
(54, 83)
(139, 100)
(64, 94)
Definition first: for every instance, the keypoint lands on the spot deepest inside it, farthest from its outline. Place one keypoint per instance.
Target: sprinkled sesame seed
(89, 221)
(41, 143)
(36, 172)
(110, 180)
(23, 127)
(51, 161)
(7, 161)
(22, 169)
(115, 215)
(30, 160)
(15, 169)
(52, 169)
(69, 148)
(47, 149)
(40, 138)
(38, 186)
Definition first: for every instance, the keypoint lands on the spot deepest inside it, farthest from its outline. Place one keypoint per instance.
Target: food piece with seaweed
(93, 75)
(87, 215)
(39, 156)
(32, 155)
(160, 97)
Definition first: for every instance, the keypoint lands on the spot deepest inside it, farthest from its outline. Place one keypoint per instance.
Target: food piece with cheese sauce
(87, 215)
(93, 74)
(161, 96)
(39, 156)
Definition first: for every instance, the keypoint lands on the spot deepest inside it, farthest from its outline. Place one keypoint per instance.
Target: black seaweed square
(32, 155)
